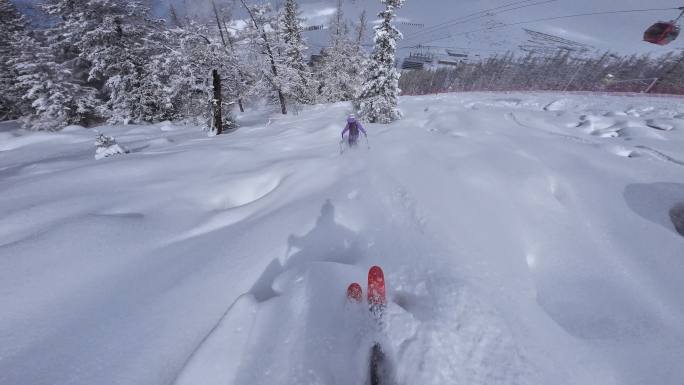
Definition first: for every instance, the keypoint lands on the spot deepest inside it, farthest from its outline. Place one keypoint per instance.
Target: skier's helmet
(351, 119)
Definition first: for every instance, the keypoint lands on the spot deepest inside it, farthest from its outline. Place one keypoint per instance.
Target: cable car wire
(439, 26)
(475, 16)
(548, 19)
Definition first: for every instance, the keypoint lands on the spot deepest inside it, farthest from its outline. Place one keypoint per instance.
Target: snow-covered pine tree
(378, 98)
(173, 17)
(243, 78)
(239, 83)
(62, 39)
(189, 68)
(335, 82)
(118, 48)
(265, 65)
(106, 146)
(171, 85)
(297, 80)
(156, 102)
(358, 69)
(342, 68)
(12, 30)
(55, 99)
(107, 44)
(361, 29)
(254, 65)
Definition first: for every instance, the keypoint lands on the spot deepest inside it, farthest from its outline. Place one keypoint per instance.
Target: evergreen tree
(106, 146)
(241, 78)
(174, 18)
(55, 100)
(107, 44)
(297, 80)
(342, 68)
(188, 75)
(358, 67)
(12, 30)
(361, 29)
(118, 49)
(155, 99)
(265, 60)
(378, 99)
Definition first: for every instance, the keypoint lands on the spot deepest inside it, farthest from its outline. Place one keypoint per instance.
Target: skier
(353, 126)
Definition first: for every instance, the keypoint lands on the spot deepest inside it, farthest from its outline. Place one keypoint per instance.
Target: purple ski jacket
(351, 122)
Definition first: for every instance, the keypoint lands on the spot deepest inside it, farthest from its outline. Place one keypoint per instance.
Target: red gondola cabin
(661, 33)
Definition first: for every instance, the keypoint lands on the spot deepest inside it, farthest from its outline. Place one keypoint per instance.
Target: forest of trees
(112, 61)
(560, 72)
(95, 61)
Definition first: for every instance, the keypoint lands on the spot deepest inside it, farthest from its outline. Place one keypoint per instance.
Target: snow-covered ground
(526, 239)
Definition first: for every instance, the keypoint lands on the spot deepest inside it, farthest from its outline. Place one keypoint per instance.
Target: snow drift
(525, 238)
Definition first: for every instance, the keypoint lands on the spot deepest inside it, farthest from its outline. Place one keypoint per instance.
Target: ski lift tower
(418, 59)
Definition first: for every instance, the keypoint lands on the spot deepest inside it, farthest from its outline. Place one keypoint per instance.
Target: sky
(621, 33)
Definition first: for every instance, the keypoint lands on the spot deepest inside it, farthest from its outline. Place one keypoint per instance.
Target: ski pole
(367, 143)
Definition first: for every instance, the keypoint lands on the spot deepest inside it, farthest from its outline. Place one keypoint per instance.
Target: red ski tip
(376, 286)
(354, 292)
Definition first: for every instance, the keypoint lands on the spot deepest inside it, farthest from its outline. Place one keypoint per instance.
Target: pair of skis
(377, 301)
(342, 144)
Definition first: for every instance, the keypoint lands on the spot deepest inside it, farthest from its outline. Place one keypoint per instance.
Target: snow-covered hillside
(525, 238)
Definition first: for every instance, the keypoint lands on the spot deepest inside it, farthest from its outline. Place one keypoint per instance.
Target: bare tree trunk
(218, 23)
(361, 30)
(242, 109)
(217, 103)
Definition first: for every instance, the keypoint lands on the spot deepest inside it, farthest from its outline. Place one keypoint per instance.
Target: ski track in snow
(526, 239)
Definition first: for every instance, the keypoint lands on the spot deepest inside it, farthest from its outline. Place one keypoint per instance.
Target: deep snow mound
(526, 239)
